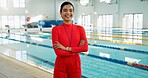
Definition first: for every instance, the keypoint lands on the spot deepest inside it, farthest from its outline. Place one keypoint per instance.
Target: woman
(68, 41)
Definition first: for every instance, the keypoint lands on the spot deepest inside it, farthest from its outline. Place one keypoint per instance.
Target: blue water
(91, 67)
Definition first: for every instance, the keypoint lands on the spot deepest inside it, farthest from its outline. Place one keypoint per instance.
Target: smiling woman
(68, 41)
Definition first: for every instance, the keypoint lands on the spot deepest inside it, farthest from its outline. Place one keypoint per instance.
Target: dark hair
(65, 3)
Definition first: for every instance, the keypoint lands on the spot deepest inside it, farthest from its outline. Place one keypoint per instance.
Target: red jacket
(78, 33)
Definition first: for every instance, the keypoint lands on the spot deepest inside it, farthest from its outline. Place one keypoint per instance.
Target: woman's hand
(82, 42)
(58, 45)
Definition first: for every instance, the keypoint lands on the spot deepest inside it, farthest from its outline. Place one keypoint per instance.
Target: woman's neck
(67, 22)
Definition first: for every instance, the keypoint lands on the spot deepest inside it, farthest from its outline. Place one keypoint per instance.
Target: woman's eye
(64, 10)
(71, 10)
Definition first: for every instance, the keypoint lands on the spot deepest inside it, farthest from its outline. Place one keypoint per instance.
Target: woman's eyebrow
(67, 9)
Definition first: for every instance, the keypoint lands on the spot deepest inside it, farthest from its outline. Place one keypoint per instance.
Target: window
(105, 21)
(17, 21)
(16, 3)
(3, 3)
(4, 22)
(22, 21)
(12, 21)
(138, 20)
(104, 26)
(84, 2)
(22, 3)
(133, 23)
(19, 3)
(84, 20)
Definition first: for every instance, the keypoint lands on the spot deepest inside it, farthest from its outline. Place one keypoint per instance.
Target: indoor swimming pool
(105, 58)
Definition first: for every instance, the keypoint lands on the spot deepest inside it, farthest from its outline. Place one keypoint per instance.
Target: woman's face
(67, 13)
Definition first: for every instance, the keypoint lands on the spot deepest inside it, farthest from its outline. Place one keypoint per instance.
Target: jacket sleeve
(55, 37)
(83, 48)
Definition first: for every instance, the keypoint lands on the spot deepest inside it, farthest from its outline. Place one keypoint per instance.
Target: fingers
(56, 44)
(82, 42)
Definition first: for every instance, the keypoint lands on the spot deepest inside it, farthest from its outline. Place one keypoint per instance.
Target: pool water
(39, 51)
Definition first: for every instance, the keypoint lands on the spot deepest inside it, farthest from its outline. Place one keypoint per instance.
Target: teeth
(68, 16)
